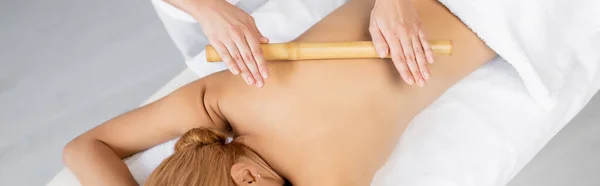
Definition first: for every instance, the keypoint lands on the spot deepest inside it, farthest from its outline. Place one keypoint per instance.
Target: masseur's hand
(395, 28)
(233, 33)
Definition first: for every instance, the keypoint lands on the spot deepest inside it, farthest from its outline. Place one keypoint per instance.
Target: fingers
(263, 39)
(426, 46)
(397, 54)
(239, 62)
(247, 39)
(258, 57)
(240, 50)
(420, 57)
(237, 40)
(254, 42)
(256, 52)
(378, 40)
(253, 75)
(400, 65)
(409, 55)
(225, 56)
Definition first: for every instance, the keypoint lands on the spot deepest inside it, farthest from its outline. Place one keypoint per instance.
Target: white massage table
(481, 132)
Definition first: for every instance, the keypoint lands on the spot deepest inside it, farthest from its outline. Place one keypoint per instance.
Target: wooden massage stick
(335, 50)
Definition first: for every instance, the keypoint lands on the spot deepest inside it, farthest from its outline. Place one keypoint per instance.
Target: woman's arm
(96, 156)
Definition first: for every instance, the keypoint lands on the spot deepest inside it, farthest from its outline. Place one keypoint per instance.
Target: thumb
(263, 39)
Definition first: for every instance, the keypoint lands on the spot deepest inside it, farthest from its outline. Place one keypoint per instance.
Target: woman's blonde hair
(202, 157)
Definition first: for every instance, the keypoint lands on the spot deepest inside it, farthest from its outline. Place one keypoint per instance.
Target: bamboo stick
(337, 50)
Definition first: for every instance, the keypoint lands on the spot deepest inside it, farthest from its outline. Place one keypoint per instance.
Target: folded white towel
(546, 41)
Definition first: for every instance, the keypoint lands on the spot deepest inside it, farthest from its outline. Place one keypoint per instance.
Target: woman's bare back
(323, 121)
(323, 115)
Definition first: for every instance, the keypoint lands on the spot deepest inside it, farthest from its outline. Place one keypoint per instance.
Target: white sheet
(482, 131)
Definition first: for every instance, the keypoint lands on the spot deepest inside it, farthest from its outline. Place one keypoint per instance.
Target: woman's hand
(233, 33)
(395, 27)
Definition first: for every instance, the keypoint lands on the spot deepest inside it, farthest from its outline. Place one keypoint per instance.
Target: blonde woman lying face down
(321, 122)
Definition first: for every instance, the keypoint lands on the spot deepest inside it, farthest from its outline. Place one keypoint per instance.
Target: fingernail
(259, 84)
(425, 75)
(249, 80)
(410, 81)
(265, 40)
(381, 53)
(235, 71)
(265, 75)
(421, 83)
(430, 60)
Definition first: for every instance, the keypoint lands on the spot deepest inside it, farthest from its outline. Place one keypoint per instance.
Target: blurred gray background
(67, 65)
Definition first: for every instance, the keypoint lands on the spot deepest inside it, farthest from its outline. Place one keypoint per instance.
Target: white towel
(179, 14)
(546, 41)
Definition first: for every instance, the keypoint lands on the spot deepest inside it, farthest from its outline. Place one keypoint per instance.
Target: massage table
(480, 132)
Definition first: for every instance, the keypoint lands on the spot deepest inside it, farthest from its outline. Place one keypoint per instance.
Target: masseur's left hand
(395, 28)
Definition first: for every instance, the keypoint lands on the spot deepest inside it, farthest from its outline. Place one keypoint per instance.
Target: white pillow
(547, 41)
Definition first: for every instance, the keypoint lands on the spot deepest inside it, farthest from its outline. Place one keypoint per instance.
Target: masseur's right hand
(233, 33)
(397, 30)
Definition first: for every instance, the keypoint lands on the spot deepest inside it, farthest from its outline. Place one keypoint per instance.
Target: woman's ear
(244, 174)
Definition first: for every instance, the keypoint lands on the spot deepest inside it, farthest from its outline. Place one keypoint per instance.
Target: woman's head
(202, 157)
